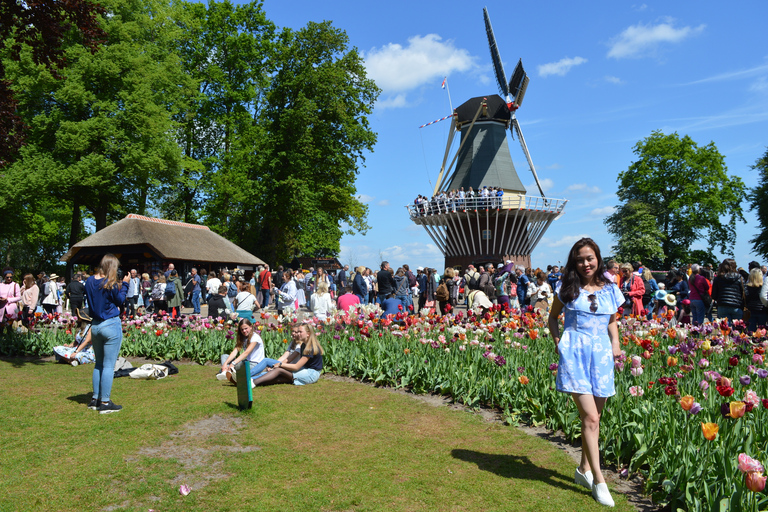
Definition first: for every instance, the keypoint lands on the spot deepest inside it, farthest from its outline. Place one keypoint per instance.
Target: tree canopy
(193, 112)
(758, 199)
(675, 194)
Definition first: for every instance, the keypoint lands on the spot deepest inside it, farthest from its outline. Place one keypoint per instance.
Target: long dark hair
(569, 290)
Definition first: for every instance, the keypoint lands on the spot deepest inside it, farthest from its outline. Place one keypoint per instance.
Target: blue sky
(603, 74)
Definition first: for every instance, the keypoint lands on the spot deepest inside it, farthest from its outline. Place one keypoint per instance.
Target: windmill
(495, 228)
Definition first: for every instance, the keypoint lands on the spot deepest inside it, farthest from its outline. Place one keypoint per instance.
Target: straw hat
(671, 300)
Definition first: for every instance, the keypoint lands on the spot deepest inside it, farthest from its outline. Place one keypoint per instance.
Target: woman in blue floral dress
(587, 349)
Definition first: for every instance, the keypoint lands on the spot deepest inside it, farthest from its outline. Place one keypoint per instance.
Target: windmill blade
(498, 67)
(515, 127)
(518, 83)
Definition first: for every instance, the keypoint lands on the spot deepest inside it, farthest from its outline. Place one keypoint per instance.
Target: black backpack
(472, 283)
(648, 293)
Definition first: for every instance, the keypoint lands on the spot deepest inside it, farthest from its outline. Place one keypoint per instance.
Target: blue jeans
(259, 368)
(697, 311)
(196, 302)
(729, 312)
(106, 337)
(265, 298)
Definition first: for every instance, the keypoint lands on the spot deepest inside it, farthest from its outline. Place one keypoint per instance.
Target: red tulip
(755, 481)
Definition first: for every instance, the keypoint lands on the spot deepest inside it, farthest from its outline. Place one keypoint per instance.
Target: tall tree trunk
(74, 234)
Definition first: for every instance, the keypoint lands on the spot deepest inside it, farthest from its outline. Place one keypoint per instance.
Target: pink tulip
(184, 490)
(749, 465)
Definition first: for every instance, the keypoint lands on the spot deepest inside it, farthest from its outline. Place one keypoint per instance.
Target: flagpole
(450, 103)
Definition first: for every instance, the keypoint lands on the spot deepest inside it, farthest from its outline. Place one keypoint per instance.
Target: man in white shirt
(133, 293)
(212, 286)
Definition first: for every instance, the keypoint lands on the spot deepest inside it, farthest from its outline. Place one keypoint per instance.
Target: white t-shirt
(321, 305)
(245, 301)
(257, 354)
(213, 285)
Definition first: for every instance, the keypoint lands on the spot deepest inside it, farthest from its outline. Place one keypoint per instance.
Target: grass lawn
(331, 446)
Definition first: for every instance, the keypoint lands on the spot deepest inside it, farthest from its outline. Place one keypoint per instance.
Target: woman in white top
(286, 296)
(321, 302)
(249, 346)
(244, 300)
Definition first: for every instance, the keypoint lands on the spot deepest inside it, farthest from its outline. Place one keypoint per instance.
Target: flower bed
(688, 400)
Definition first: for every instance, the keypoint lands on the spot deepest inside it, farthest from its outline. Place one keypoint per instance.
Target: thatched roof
(169, 240)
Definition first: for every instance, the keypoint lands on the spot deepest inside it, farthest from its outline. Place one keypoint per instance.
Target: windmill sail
(498, 67)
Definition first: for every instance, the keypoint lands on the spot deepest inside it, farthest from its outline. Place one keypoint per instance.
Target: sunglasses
(592, 302)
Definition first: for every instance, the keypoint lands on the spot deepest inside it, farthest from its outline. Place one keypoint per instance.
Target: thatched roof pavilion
(152, 243)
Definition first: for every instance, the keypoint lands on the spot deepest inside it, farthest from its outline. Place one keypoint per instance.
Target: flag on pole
(442, 86)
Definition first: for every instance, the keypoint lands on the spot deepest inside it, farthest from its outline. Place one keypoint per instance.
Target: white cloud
(554, 166)
(642, 40)
(761, 85)
(640, 8)
(560, 67)
(602, 212)
(396, 68)
(583, 187)
(734, 75)
(365, 198)
(383, 202)
(397, 101)
(414, 254)
(546, 184)
(613, 80)
(566, 240)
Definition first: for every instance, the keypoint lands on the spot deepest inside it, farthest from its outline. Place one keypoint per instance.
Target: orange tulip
(671, 361)
(686, 402)
(710, 431)
(737, 409)
(533, 334)
(523, 380)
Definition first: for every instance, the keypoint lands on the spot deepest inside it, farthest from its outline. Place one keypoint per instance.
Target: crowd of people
(455, 200)
(690, 295)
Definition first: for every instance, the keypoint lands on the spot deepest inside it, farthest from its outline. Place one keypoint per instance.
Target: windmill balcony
(483, 204)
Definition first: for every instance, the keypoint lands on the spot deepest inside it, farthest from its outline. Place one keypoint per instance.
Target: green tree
(637, 218)
(227, 50)
(758, 200)
(317, 136)
(101, 139)
(685, 189)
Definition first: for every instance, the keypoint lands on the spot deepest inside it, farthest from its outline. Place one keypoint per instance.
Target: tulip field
(689, 414)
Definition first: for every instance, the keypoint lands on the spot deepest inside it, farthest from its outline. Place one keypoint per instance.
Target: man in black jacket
(75, 293)
(386, 282)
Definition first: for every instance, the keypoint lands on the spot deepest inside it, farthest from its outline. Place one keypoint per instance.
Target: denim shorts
(305, 376)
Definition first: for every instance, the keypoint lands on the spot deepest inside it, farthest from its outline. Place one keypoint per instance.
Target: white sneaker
(222, 376)
(602, 495)
(75, 362)
(583, 479)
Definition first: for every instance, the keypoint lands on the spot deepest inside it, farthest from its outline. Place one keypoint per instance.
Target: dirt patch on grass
(631, 488)
(201, 462)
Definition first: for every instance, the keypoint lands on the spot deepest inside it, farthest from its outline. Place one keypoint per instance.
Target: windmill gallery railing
(508, 226)
(508, 202)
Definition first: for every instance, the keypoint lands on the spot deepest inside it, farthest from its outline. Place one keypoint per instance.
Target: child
(684, 313)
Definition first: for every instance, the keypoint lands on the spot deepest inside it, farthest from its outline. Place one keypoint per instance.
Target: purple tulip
(695, 408)
(745, 380)
(762, 373)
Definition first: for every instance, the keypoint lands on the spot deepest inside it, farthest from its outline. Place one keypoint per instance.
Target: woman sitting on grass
(249, 345)
(80, 350)
(304, 371)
